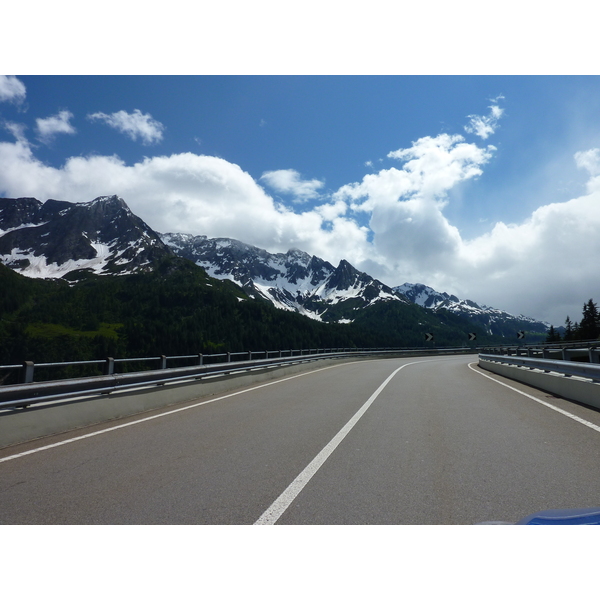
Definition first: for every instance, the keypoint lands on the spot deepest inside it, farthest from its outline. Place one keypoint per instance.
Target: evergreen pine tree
(553, 335)
(569, 334)
(589, 327)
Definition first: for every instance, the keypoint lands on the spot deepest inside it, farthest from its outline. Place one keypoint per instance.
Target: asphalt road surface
(398, 441)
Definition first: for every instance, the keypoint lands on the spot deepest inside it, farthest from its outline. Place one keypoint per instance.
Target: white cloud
(17, 129)
(289, 181)
(545, 266)
(50, 127)
(410, 232)
(133, 124)
(485, 126)
(589, 160)
(11, 89)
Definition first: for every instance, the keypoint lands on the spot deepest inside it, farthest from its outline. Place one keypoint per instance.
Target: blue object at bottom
(570, 516)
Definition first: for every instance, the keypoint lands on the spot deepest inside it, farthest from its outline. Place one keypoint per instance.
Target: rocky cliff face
(54, 238)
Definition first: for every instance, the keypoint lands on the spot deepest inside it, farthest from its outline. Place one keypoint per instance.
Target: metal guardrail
(564, 367)
(25, 394)
(587, 350)
(27, 368)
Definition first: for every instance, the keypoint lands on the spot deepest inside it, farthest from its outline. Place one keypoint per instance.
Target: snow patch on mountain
(293, 280)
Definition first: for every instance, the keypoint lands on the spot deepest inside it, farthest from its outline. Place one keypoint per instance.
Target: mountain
(493, 321)
(292, 281)
(75, 241)
(55, 238)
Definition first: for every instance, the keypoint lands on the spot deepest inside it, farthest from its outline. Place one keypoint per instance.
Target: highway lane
(440, 444)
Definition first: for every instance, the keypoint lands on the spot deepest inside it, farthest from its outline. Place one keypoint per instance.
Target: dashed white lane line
(274, 512)
(547, 404)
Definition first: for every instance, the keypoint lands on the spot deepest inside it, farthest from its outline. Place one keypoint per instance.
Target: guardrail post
(109, 366)
(280, 354)
(565, 354)
(200, 359)
(163, 361)
(594, 355)
(28, 368)
(229, 357)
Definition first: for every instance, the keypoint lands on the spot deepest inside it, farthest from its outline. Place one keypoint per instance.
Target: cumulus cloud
(50, 127)
(484, 126)
(11, 89)
(540, 265)
(135, 125)
(289, 181)
(406, 204)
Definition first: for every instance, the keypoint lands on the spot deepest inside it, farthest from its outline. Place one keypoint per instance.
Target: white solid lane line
(170, 412)
(274, 512)
(547, 404)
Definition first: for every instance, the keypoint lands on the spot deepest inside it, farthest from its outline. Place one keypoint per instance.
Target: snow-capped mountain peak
(293, 280)
(496, 322)
(53, 238)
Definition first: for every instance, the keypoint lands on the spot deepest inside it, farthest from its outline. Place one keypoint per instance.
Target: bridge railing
(29, 392)
(584, 351)
(564, 367)
(109, 366)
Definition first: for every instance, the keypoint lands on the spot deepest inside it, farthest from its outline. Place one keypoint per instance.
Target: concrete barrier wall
(570, 388)
(21, 425)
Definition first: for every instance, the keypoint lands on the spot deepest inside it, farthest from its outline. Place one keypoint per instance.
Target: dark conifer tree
(589, 327)
(553, 335)
(569, 333)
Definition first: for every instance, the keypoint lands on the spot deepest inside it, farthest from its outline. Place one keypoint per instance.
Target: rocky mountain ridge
(57, 239)
(292, 281)
(493, 320)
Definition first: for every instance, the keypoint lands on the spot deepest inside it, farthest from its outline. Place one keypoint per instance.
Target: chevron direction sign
(428, 337)
(472, 337)
(521, 335)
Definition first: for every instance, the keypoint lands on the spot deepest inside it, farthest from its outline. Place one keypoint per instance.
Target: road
(398, 441)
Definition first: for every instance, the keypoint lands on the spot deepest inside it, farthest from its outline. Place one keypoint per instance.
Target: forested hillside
(177, 309)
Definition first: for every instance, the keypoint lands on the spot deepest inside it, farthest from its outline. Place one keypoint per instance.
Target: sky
(423, 163)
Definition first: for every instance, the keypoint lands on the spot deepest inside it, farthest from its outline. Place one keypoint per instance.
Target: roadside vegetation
(586, 329)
